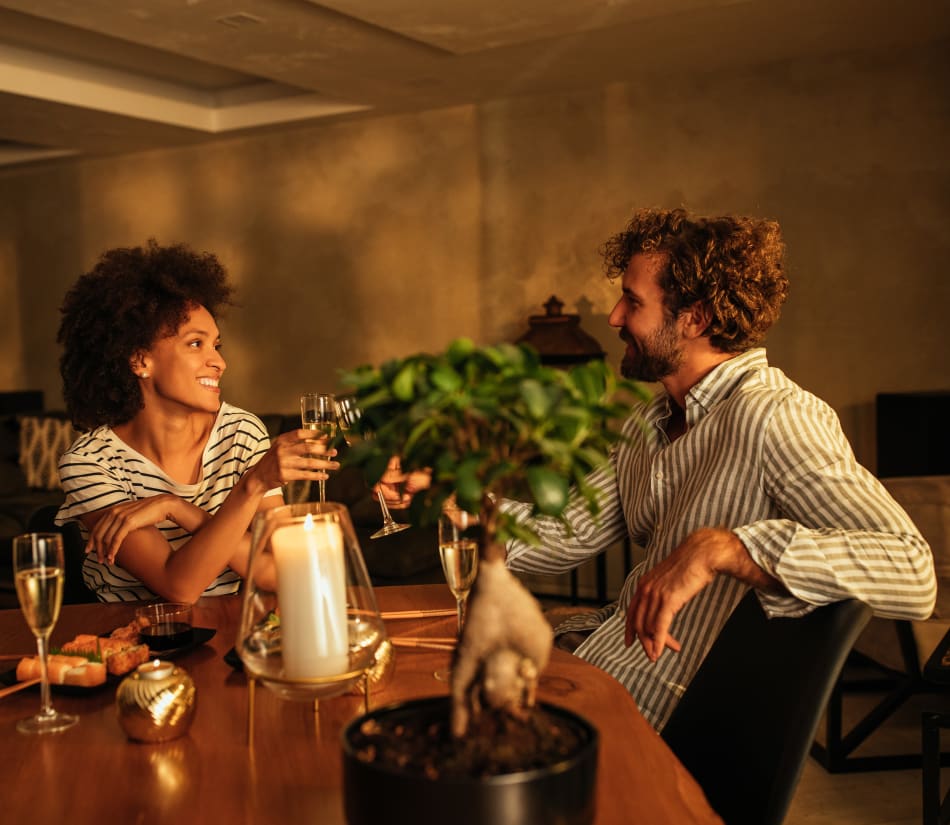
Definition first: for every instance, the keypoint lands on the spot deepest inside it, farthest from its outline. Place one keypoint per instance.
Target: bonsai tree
(491, 423)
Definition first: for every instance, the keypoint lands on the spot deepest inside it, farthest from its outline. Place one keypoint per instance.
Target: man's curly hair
(130, 299)
(733, 265)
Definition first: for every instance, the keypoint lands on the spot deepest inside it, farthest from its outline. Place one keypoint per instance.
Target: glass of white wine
(347, 414)
(458, 550)
(38, 569)
(318, 414)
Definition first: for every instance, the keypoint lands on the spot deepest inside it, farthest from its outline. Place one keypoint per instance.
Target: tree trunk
(505, 644)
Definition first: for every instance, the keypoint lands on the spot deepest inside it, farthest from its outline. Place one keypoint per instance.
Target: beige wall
(356, 242)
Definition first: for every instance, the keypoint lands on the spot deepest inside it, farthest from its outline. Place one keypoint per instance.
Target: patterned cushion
(42, 441)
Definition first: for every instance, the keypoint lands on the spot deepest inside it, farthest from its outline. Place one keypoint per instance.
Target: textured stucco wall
(356, 242)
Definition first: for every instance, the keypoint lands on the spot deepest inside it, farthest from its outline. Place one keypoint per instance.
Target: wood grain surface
(93, 774)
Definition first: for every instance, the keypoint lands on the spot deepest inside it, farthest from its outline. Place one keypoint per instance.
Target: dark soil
(421, 744)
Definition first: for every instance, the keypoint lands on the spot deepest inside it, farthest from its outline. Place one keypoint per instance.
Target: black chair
(887, 690)
(936, 808)
(74, 589)
(744, 726)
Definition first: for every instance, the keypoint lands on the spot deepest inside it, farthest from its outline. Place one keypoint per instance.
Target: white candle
(311, 592)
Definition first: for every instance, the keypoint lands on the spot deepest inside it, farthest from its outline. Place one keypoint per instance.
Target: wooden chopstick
(432, 640)
(419, 645)
(5, 657)
(417, 614)
(18, 686)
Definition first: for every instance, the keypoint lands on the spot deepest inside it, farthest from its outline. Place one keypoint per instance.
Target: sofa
(32, 439)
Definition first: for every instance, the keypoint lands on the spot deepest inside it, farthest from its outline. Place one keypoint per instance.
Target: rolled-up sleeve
(841, 534)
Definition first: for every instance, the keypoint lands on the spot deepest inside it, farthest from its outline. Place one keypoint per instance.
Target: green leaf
(460, 349)
(549, 490)
(589, 381)
(509, 529)
(468, 486)
(537, 398)
(446, 379)
(403, 382)
(418, 432)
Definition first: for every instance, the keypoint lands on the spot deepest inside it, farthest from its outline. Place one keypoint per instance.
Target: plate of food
(88, 662)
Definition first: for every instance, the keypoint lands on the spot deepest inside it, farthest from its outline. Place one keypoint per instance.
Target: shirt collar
(712, 388)
(720, 382)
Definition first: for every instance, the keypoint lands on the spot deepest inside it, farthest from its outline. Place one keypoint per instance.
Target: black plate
(199, 637)
(232, 658)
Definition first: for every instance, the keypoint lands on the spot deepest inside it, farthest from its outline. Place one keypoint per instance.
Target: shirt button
(659, 475)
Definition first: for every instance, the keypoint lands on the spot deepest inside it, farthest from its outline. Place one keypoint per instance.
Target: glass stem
(46, 707)
(460, 610)
(323, 490)
(387, 516)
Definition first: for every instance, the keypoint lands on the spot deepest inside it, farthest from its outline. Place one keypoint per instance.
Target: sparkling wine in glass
(38, 570)
(348, 414)
(458, 550)
(318, 414)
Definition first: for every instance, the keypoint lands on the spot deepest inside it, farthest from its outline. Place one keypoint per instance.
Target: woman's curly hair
(733, 265)
(130, 299)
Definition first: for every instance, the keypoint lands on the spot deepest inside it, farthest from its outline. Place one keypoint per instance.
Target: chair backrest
(745, 725)
(74, 549)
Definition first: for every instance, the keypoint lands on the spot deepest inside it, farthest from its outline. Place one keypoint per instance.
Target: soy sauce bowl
(165, 626)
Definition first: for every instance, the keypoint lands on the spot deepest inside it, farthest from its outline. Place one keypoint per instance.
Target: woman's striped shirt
(100, 470)
(768, 460)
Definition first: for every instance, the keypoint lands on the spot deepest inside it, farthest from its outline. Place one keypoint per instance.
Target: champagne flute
(347, 414)
(390, 525)
(458, 550)
(318, 413)
(38, 569)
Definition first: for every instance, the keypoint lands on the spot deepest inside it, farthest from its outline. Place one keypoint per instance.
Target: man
(732, 476)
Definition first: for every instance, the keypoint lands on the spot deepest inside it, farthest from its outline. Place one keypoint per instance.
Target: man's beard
(659, 356)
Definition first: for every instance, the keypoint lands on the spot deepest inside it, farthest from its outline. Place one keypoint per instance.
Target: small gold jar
(156, 703)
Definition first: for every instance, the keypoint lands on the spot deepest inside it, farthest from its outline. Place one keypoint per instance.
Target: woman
(166, 478)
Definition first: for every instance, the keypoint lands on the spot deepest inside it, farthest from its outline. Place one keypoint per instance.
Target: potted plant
(488, 423)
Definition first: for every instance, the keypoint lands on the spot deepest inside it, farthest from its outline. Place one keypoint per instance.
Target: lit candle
(311, 592)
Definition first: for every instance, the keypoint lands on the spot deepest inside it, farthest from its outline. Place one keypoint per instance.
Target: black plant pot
(560, 794)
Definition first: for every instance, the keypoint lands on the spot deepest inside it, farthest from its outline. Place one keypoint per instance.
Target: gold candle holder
(156, 703)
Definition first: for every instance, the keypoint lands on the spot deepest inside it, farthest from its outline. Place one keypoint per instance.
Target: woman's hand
(111, 526)
(293, 456)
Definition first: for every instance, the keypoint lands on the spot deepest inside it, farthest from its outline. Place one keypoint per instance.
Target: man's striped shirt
(100, 470)
(764, 458)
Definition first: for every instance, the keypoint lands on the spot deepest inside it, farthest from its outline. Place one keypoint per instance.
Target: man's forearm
(728, 555)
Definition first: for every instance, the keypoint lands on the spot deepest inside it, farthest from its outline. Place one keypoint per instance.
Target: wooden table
(93, 774)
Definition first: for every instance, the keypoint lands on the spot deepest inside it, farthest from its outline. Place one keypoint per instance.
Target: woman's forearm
(220, 540)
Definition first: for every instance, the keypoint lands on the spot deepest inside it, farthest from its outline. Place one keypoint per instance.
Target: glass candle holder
(310, 627)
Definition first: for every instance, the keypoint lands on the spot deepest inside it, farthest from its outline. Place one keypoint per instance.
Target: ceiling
(92, 77)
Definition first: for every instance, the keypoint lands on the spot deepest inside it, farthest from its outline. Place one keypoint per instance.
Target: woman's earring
(143, 375)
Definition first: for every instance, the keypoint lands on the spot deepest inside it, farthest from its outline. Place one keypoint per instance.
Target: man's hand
(663, 591)
(397, 487)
